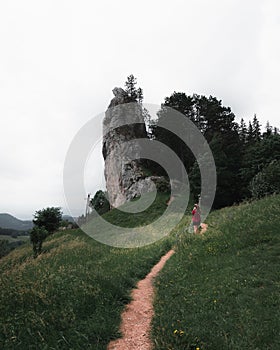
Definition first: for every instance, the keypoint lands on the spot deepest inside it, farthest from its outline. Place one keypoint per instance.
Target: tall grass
(222, 290)
(72, 295)
(219, 291)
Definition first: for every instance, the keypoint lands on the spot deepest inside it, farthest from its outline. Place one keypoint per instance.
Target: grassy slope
(72, 295)
(222, 291)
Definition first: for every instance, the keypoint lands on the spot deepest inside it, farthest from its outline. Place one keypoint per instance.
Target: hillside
(220, 290)
(9, 221)
(72, 295)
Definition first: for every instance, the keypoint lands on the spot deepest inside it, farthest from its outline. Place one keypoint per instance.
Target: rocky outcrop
(124, 173)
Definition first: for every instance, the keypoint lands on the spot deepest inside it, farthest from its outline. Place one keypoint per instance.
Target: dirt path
(203, 228)
(136, 318)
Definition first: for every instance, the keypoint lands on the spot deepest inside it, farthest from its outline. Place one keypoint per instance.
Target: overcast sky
(60, 60)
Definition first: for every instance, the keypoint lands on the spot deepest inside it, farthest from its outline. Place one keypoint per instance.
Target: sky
(61, 59)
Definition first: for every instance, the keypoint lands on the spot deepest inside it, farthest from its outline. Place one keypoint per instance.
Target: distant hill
(9, 221)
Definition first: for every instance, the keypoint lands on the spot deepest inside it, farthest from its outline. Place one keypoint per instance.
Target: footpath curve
(137, 316)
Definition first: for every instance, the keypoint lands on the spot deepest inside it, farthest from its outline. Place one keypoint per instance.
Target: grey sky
(60, 60)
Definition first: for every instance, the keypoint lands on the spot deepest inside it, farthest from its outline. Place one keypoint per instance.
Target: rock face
(124, 174)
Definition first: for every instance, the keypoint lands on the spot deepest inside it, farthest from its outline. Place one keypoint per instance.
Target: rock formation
(124, 174)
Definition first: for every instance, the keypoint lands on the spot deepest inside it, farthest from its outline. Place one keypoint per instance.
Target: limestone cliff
(124, 175)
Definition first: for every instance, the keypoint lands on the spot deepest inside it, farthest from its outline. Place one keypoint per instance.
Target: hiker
(196, 220)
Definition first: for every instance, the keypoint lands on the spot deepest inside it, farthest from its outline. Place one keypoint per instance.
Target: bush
(162, 184)
(49, 218)
(266, 181)
(37, 236)
(100, 203)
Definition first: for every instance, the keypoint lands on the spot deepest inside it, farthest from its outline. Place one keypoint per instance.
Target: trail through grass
(219, 291)
(222, 290)
(72, 295)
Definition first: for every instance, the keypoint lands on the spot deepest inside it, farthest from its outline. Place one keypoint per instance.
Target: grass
(72, 295)
(222, 291)
(149, 225)
(8, 243)
(133, 229)
(219, 291)
(145, 217)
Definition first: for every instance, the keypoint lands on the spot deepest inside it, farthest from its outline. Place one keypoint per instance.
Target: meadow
(72, 295)
(222, 290)
(218, 291)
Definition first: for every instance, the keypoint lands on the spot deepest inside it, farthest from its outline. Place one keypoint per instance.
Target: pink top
(196, 215)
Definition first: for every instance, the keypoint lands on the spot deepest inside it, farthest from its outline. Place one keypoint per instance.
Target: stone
(120, 97)
(124, 174)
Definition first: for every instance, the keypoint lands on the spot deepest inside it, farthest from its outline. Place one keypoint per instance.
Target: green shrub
(267, 181)
(49, 218)
(37, 236)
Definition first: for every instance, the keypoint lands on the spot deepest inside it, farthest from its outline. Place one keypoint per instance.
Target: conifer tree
(250, 133)
(130, 88)
(139, 93)
(256, 129)
(243, 131)
(268, 130)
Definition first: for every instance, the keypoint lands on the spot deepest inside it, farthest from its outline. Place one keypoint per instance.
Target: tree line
(247, 159)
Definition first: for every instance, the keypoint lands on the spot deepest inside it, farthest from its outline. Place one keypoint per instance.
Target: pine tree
(256, 129)
(268, 130)
(243, 131)
(130, 87)
(139, 93)
(250, 133)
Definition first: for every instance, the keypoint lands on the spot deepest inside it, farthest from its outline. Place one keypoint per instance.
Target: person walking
(196, 218)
